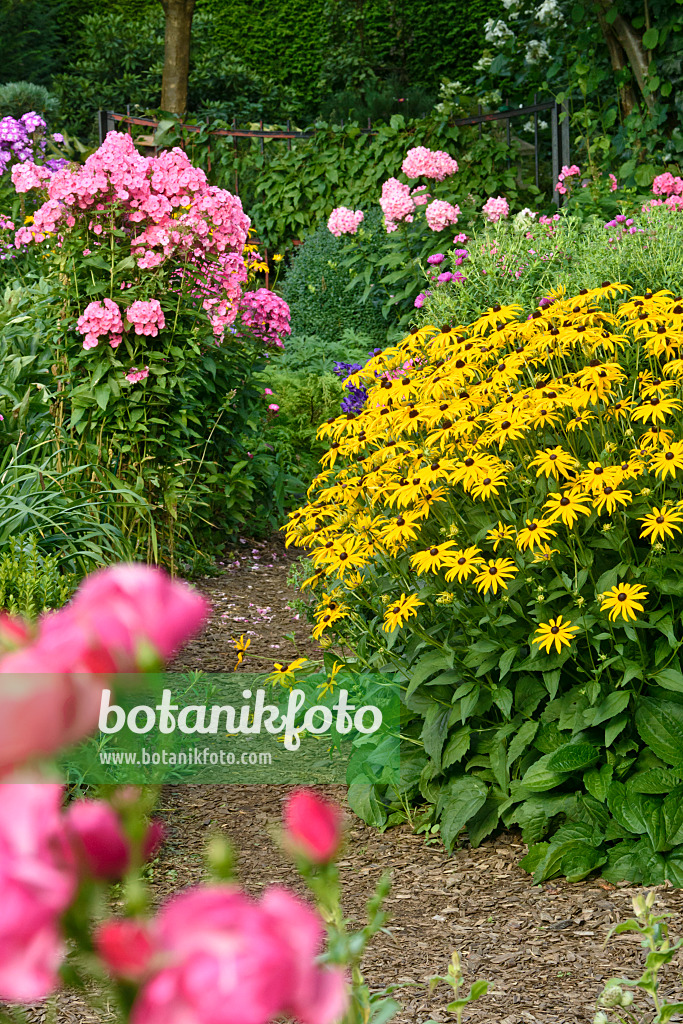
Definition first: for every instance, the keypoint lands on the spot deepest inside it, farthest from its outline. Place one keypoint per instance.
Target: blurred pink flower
(37, 883)
(125, 947)
(222, 957)
(343, 221)
(312, 826)
(98, 840)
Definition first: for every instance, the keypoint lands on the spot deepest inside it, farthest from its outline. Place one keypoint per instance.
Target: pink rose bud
(125, 948)
(312, 826)
(98, 839)
(153, 839)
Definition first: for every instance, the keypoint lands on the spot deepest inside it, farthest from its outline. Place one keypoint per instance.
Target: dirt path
(541, 947)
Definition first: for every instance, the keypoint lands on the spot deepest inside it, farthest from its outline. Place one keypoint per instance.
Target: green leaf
(363, 801)
(457, 746)
(654, 780)
(616, 726)
(483, 822)
(651, 38)
(506, 661)
(597, 782)
(572, 757)
(612, 705)
(667, 1011)
(538, 778)
(669, 679)
(435, 730)
(660, 725)
(477, 990)
(458, 802)
(581, 861)
(520, 741)
(102, 393)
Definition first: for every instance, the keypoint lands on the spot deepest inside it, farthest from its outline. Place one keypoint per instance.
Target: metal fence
(559, 132)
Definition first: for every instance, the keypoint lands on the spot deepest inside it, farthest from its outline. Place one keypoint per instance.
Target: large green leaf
(660, 724)
(572, 757)
(458, 802)
(538, 778)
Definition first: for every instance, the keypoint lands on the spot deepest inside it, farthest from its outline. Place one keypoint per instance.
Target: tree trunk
(632, 45)
(176, 54)
(627, 97)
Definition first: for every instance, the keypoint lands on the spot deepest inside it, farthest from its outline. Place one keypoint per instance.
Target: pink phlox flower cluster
(168, 199)
(266, 315)
(135, 376)
(613, 183)
(343, 221)
(428, 163)
(547, 221)
(566, 172)
(440, 214)
(28, 175)
(397, 203)
(666, 185)
(495, 208)
(673, 202)
(100, 318)
(420, 195)
(462, 237)
(147, 317)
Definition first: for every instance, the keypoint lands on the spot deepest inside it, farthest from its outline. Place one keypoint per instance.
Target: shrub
(500, 527)
(17, 98)
(30, 582)
(316, 288)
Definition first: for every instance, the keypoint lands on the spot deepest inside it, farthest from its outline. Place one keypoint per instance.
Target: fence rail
(559, 131)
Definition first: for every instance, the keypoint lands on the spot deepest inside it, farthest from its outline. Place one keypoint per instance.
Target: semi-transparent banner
(239, 728)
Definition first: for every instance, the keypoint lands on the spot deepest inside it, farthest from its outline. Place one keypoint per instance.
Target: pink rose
(98, 840)
(37, 883)
(312, 826)
(125, 948)
(223, 957)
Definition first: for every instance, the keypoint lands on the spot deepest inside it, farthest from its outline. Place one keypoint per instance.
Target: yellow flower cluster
(519, 432)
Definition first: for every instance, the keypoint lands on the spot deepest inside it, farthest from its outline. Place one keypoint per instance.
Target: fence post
(565, 134)
(536, 167)
(105, 123)
(555, 133)
(234, 146)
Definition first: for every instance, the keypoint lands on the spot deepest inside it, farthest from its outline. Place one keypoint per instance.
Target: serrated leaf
(660, 725)
(458, 802)
(612, 705)
(521, 741)
(597, 782)
(457, 746)
(572, 757)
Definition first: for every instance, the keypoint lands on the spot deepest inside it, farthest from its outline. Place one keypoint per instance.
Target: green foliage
(324, 46)
(307, 392)
(316, 288)
(31, 582)
(566, 51)
(31, 39)
(17, 98)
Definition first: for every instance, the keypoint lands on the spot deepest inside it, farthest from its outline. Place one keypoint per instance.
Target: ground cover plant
(499, 525)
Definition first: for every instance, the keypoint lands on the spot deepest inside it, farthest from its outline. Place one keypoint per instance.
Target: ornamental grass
(499, 527)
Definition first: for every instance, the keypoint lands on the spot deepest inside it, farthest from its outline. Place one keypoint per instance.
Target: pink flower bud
(125, 948)
(312, 826)
(98, 839)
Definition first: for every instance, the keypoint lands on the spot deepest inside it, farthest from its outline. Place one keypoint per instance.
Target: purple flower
(435, 259)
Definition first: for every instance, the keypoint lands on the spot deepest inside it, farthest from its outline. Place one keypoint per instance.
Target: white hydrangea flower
(537, 50)
(549, 13)
(497, 32)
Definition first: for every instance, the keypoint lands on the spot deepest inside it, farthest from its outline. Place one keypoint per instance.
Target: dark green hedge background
(419, 41)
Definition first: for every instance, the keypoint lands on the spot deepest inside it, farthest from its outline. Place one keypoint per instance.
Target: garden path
(541, 947)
